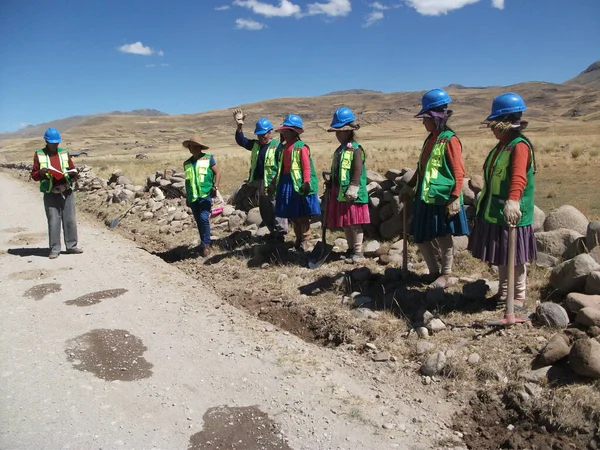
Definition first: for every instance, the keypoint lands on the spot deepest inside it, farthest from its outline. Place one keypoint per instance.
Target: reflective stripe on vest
(345, 171)
(497, 177)
(47, 183)
(270, 163)
(199, 178)
(438, 180)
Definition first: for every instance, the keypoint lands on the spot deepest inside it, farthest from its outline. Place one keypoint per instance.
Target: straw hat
(195, 140)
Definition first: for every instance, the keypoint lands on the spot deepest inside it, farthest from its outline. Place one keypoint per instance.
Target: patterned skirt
(489, 243)
(291, 205)
(343, 214)
(430, 221)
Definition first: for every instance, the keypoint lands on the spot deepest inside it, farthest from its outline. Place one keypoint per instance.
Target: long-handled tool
(113, 223)
(404, 239)
(322, 250)
(509, 314)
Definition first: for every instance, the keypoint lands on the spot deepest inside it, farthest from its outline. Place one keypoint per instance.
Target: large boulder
(557, 348)
(253, 217)
(539, 217)
(592, 238)
(552, 315)
(468, 194)
(566, 216)
(570, 276)
(585, 358)
(545, 260)
(576, 301)
(373, 176)
(556, 243)
(588, 317)
(391, 228)
(592, 283)
(476, 183)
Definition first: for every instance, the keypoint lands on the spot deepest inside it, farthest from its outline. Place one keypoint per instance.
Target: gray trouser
(266, 206)
(60, 208)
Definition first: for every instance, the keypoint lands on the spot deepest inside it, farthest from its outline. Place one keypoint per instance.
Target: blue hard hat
(506, 104)
(292, 120)
(263, 126)
(433, 99)
(52, 136)
(343, 116)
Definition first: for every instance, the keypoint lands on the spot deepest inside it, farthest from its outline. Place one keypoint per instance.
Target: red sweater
(454, 158)
(304, 160)
(55, 162)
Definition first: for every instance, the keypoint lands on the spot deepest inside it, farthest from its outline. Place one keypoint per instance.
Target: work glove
(305, 188)
(239, 116)
(406, 192)
(213, 192)
(512, 212)
(453, 206)
(351, 193)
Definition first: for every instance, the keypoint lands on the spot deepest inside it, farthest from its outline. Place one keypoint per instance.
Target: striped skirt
(344, 214)
(489, 243)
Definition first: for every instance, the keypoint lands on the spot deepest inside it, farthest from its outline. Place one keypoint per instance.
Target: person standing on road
(202, 177)
(507, 198)
(348, 198)
(439, 211)
(264, 160)
(296, 182)
(54, 169)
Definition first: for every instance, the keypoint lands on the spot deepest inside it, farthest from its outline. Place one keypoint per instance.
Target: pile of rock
(170, 181)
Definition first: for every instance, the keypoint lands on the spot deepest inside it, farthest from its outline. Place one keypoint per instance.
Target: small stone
(371, 346)
(422, 332)
(424, 347)
(436, 325)
(381, 357)
(388, 426)
(552, 315)
(474, 358)
(434, 364)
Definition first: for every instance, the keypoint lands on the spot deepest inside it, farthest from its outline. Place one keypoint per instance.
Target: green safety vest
(199, 178)
(497, 176)
(47, 183)
(271, 165)
(296, 169)
(346, 157)
(438, 180)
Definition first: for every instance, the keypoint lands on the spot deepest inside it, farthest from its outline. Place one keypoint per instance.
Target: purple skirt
(343, 214)
(489, 243)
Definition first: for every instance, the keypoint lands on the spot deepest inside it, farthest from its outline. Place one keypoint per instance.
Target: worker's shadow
(29, 251)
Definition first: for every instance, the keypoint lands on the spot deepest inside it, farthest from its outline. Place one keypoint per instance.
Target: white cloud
(164, 65)
(137, 48)
(285, 8)
(372, 18)
(150, 65)
(379, 6)
(222, 8)
(247, 24)
(333, 8)
(439, 7)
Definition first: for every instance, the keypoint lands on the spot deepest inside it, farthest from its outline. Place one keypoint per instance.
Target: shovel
(509, 315)
(113, 223)
(322, 250)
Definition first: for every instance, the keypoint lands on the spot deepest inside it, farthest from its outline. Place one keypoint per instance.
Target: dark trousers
(201, 211)
(60, 210)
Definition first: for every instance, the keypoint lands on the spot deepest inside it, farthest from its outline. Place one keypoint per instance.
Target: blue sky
(62, 57)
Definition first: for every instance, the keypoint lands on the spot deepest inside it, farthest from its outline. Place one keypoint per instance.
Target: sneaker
(53, 255)
(206, 251)
(347, 255)
(357, 258)
(75, 251)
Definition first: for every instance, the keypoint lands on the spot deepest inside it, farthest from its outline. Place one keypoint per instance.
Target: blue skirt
(291, 205)
(430, 221)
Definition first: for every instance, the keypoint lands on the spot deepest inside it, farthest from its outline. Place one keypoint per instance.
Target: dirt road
(114, 348)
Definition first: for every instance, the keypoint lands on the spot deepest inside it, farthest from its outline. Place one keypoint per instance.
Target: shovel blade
(319, 255)
(113, 223)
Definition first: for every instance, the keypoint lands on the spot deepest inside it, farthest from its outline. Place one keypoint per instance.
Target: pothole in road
(238, 427)
(110, 355)
(40, 291)
(96, 297)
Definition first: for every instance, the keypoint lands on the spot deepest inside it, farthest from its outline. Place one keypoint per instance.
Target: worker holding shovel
(54, 169)
(264, 160)
(439, 213)
(296, 182)
(505, 205)
(348, 197)
(202, 177)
